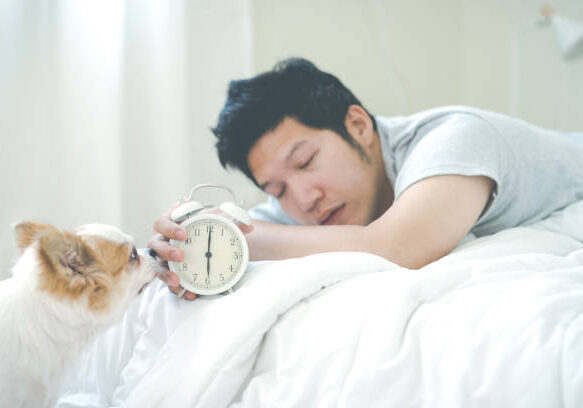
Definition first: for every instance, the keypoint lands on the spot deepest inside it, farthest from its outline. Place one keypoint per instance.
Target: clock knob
(185, 210)
(236, 212)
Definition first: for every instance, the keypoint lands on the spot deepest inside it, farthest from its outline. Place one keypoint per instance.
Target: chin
(66, 287)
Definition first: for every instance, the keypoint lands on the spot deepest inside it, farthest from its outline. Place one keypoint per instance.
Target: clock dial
(214, 254)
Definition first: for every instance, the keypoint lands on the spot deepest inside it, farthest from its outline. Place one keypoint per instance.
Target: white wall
(513, 65)
(404, 56)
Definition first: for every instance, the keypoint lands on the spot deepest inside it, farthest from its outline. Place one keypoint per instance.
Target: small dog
(65, 288)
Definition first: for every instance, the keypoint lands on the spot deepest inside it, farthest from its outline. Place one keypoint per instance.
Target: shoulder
(399, 130)
(453, 142)
(432, 113)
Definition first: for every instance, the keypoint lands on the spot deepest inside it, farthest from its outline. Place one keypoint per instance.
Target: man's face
(317, 176)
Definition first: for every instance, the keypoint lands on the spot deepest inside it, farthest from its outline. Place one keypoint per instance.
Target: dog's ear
(67, 263)
(27, 232)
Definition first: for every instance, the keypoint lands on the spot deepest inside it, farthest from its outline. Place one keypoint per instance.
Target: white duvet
(497, 323)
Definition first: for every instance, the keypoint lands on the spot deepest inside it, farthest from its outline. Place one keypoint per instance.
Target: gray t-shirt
(536, 170)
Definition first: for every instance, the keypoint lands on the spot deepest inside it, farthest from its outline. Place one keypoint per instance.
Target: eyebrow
(288, 157)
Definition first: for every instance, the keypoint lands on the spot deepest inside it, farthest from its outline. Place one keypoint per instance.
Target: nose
(151, 252)
(306, 195)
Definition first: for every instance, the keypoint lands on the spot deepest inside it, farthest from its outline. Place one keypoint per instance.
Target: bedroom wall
(396, 56)
(404, 56)
(512, 64)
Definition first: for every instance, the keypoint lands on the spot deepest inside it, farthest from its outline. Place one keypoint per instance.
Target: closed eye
(307, 163)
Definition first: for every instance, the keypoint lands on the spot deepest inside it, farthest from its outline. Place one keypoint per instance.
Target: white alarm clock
(216, 254)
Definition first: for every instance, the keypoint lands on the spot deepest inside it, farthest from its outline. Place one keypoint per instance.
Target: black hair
(294, 88)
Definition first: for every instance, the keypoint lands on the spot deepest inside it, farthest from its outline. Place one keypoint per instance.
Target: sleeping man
(405, 188)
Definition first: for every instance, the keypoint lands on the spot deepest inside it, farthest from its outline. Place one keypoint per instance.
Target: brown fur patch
(82, 265)
(27, 232)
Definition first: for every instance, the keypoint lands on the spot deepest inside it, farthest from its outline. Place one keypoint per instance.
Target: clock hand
(208, 255)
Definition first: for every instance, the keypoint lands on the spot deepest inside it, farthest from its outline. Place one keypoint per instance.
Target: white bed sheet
(497, 323)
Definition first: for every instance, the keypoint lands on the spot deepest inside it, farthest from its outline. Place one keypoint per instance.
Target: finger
(169, 229)
(187, 294)
(169, 277)
(164, 250)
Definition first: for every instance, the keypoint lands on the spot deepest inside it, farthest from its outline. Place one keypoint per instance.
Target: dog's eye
(134, 255)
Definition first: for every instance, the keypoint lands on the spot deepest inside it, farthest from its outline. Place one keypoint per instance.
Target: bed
(496, 323)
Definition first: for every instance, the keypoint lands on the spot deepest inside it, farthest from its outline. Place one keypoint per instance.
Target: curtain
(106, 108)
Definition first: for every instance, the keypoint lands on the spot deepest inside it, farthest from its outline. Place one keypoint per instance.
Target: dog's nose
(151, 252)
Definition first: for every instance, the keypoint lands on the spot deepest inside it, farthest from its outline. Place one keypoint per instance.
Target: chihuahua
(65, 288)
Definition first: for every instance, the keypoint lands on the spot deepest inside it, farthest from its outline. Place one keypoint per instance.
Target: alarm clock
(216, 254)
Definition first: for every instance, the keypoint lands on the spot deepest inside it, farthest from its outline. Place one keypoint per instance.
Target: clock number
(197, 232)
(208, 282)
(188, 241)
(232, 241)
(209, 228)
(231, 268)
(222, 277)
(194, 275)
(222, 232)
(184, 267)
(236, 255)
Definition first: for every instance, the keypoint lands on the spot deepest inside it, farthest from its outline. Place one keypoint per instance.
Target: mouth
(154, 272)
(143, 287)
(333, 216)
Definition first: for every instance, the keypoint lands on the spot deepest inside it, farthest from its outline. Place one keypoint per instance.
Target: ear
(27, 232)
(67, 261)
(359, 125)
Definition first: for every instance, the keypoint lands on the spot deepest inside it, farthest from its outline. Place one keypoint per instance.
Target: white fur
(104, 231)
(42, 335)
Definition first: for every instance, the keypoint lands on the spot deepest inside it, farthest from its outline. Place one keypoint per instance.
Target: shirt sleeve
(459, 144)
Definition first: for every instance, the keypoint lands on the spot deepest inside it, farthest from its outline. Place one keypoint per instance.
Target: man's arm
(424, 224)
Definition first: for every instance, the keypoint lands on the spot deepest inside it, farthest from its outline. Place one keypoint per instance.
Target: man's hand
(167, 229)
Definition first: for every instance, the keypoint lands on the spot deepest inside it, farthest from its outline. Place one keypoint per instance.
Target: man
(405, 188)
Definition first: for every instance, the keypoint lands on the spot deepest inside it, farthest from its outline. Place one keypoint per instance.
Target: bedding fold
(496, 323)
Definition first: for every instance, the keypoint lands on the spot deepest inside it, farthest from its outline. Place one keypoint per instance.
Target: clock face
(215, 255)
